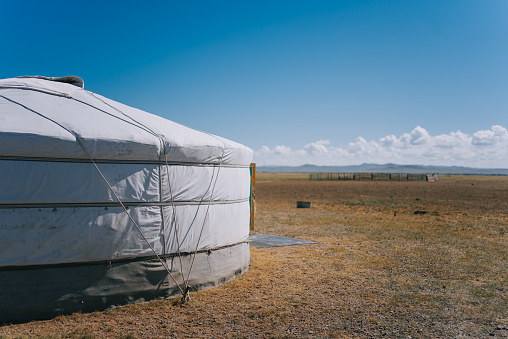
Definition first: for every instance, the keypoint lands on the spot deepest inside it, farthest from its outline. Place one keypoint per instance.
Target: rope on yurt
(107, 183)
(186, 295)
(163, 147)
(129, 215)
(174, 217)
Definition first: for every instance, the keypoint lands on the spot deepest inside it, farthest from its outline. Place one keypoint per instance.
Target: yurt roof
(55, 118)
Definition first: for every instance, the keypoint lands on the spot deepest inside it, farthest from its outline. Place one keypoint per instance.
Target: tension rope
(186, 296)
(186, 290)
(163, 147)
(107, 183)
(130, 217)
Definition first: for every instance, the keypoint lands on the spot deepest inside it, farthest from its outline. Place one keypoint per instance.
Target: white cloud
(418, 136)
(498, 134)
(282, 150)
(485, 148)
(317, 148)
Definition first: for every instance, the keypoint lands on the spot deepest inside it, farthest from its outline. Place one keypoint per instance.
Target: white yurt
(102, 204)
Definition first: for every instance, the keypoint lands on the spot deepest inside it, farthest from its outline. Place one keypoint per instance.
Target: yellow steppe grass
(378, 269)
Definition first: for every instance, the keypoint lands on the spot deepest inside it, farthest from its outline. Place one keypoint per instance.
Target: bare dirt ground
(377, 270)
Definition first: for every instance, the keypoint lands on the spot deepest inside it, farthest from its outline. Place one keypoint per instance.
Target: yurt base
(42, 292)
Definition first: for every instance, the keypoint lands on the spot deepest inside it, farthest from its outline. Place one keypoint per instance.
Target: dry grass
(377, 269)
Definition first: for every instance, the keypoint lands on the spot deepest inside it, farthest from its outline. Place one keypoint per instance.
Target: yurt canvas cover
(103, 204)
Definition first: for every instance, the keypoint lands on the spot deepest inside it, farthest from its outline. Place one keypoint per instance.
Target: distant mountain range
(386, 168)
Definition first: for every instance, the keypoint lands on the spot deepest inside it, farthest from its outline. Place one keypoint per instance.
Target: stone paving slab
(268, 240)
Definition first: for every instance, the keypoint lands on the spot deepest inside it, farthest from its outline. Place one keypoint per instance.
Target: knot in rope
(186, 295)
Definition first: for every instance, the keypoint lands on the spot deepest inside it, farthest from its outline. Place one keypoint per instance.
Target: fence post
(252, 198)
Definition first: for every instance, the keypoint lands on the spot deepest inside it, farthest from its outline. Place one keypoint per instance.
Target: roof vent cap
(69, 79)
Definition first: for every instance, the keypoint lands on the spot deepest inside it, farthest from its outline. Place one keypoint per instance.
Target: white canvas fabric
(56, 208)
(42, 118)
(82, 234)
(31, 182)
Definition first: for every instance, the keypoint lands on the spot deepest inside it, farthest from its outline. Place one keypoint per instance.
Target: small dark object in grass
(302, 204)
(420, 212)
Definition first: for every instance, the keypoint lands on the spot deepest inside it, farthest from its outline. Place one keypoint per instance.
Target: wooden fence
(374, 176)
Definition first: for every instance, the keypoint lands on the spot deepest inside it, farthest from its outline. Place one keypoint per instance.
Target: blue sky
(321, 82)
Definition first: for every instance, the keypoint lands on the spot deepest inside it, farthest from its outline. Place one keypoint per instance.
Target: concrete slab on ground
(268, 240)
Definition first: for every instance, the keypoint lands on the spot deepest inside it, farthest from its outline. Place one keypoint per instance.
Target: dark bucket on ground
(302, 204)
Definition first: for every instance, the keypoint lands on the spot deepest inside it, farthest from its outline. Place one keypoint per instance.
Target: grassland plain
(377, 269)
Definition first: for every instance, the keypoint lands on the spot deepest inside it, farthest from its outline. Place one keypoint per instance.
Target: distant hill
(386, 168)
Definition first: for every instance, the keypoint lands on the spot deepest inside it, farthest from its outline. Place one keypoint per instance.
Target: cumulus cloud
(498, 134)
(318, 148)
(485, 148)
